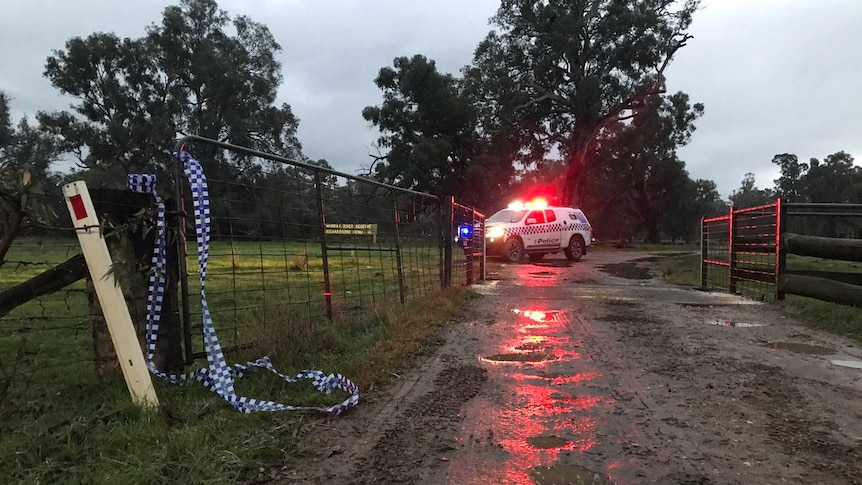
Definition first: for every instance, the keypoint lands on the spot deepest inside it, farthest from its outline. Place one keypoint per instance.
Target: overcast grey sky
(775, 75)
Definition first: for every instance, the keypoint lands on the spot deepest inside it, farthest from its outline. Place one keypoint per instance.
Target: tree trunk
(10, 224)
(131, 254)
(571, 192)
(653, 235)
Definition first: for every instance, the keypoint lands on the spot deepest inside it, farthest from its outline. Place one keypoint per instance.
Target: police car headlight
(494, 232)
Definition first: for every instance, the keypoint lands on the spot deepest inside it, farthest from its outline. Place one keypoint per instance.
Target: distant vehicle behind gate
(536, 229)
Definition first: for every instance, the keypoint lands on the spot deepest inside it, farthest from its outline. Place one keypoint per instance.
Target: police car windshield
(507, 215)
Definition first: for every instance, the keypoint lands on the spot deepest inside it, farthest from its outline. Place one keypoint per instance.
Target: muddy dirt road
(572, 374)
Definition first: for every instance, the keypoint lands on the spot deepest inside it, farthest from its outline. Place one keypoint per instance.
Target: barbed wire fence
(52, 331)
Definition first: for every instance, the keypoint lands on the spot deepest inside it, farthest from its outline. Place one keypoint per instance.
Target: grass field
(59, 423)
(844, 320)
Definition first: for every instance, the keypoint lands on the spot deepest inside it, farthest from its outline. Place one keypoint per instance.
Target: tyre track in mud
(401, 455)
(661, 464)
(402, 431)
(744, 421)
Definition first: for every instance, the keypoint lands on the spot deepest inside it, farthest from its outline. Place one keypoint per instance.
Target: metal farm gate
(745, 252)
(295, 241)
(740, 252)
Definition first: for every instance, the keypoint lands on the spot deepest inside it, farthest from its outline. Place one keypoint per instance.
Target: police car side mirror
(531, 220)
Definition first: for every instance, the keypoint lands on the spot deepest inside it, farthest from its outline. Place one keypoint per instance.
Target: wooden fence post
(111, 298)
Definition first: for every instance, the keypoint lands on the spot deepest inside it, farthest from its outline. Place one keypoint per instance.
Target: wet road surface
(598, 373)
(558, 407)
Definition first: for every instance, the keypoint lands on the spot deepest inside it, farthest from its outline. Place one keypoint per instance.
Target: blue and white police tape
(218, 376)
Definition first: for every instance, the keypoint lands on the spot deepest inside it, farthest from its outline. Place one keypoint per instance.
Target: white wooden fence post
(110, 294)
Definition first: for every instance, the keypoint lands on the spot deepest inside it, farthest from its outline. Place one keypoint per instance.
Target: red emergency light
(537, 203)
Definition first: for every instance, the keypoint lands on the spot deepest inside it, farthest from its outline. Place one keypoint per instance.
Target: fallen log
(821, 289)
(823, 247)
(54, 279)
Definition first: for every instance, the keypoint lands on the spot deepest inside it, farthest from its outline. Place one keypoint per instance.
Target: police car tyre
(514, 250)
(536, 257)
(575, 249)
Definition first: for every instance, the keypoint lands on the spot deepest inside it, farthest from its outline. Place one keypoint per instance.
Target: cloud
(775, 75)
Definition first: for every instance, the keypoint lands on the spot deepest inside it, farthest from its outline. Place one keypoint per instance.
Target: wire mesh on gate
(295, 242)
(755, 252)
(469, 231)
(715, 253)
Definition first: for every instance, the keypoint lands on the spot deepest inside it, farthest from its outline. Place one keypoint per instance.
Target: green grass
(92, 434)
(640, 246)
(60, 424)
(839, 319)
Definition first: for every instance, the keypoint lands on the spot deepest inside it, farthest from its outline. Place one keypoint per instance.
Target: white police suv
(537, 229)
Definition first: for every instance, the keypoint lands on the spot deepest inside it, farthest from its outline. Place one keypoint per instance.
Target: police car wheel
(514, 250)
(575, 249)
(536, 257)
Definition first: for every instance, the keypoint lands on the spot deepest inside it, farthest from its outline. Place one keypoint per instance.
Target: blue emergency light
(465, 231)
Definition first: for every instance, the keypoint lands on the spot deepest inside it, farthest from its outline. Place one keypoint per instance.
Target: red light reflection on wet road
(548, 401)
(533, 276)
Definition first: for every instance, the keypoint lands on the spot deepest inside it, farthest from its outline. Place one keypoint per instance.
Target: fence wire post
(398, 260)
(704, 253)
(327, 289)
(441, 243)
(482, 240)
(182, 259)
(448, 223)
(468, 249)
(780, 254)
(732, 250)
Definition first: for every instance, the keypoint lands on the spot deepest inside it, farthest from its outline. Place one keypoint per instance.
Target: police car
(537, 229)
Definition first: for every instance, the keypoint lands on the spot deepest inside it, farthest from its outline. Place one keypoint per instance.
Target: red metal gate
(740, 252)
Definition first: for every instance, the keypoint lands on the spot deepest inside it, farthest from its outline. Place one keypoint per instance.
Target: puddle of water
(853, 364)
(547, 442)
(629, 271)
(525, 357)
(542, 273)
(540, 315)
(801, 348)
(567, 475)
(487, 288)
(555, 263)
(532, 346)
(648, 259)
(726, 323)
(534, 339)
